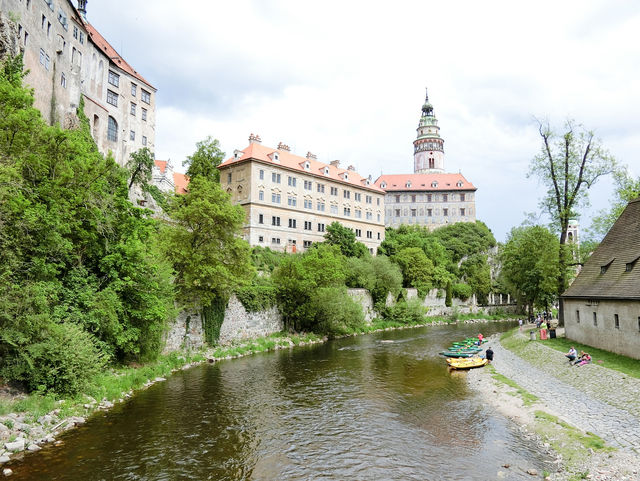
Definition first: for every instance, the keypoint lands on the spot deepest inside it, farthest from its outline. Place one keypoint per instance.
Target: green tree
(209, 257)
(417, 269)
(205, 160)
(477, 274)
(530, 266)
(140, 167)
(376, 274)
(626, 189)
(345, 239)
(569, 164)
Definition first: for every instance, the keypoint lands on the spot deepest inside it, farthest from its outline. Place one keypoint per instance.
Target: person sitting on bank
(489, 354)
(572, 354)
(585, 358)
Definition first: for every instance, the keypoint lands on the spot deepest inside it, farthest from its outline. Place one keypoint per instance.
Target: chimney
(283, 146)
(82, 8)
(255, 139)
(311, 156)
(335, 163)
(351, 168)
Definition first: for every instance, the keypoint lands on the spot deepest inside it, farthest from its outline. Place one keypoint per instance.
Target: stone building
(166, 179)
(67, 59)
(428, 197)
(601, 308)
(290, 200)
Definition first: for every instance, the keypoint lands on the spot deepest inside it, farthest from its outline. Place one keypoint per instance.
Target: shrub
(335, 312)
(448, 298)
(405, 312)
(259, 295)
(462, 291)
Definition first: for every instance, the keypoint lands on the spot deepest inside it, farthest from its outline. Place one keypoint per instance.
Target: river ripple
(351, 409)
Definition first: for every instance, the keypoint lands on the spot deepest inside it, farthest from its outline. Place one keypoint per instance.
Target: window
(397, 199)
(429, 197)
(47, 62)
(145, 96)
(369, 234)
(616, 321)
(48, 29)
(595, 319)
(307, 225)
(358, 233)
(306, 244)
(358, 214)
(291, 181)
(321, 229)
(42, 57)
(398, 213)
(461, 197)
(112, 130)
(445, 212)
(639, 323)
(577, 316)
(334, 191)
(132, 135)
(260, 218)
(346, 194)
(261, 174)
(275, 198)
(378, 235)
(429, 212)
(134, 88)
(378, 201)
(144, 140)
(357, 197)
(308, 185)
(75, 29)
(292, 223)
(81, 39)
(347, 211)
(275, 240)
(261, 195)
(320, 206)
(63, 80)
(413, 198)
(334, 209)
(292, 201)
(368, 199)
(414, 212)
(144, 114)
(112, 98)
(320, 188)
(378, 217)
(461, 212)
(369, 216)
(113, 78)
(229, 178)
(308, 204)
(275, 177)
(133, 108)
(26, 36)
(260, 238)
(445, 197)
(275, 220)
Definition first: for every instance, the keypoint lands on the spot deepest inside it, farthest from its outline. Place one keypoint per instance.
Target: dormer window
(276, 157)
(326, 171)
(434, 184)
(237, 154)
(383, 185)
(605, 267)
(368, 182)
(408, 184)
(459, 184)
(346, 176)
(307, 166)
(630, 265)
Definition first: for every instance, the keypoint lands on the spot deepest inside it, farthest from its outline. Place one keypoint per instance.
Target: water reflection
(356, 408)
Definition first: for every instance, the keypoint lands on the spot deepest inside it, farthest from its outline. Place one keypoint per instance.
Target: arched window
(112, 130)
(96, 126)
(431, 164)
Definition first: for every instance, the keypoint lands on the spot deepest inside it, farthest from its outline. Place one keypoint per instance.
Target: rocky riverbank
(589, 429)
(25, 432)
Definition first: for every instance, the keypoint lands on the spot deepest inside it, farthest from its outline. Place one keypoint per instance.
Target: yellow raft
(468, 363)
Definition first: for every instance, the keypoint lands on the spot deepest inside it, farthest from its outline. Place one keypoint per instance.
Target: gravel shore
(592, 399)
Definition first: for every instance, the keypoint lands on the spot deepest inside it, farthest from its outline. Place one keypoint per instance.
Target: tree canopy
(205, 160)
(345, 239)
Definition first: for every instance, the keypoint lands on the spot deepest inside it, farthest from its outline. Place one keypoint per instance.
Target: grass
(527, 398)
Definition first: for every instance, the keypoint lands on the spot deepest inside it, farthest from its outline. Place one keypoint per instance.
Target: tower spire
(428, 149)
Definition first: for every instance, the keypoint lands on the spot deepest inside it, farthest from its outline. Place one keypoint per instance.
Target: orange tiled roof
(161, 165)
(398, 182)
(181, 181)
(263, 153)
(110, 52)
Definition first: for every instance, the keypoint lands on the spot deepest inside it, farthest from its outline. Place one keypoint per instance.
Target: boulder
(15, 446)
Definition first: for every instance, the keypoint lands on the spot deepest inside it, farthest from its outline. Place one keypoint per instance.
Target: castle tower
(428, 148)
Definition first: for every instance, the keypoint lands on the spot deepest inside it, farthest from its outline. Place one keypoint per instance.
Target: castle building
(290, 200)
(68, 59)
(429, 197)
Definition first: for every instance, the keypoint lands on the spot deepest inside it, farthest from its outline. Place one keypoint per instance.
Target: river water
(351, 409)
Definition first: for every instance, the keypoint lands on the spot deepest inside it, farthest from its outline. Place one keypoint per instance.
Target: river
(351, 409)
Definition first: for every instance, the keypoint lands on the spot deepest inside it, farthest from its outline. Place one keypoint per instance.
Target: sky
(346, 80)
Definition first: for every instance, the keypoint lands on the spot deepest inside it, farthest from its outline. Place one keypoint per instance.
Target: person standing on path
(489, 354)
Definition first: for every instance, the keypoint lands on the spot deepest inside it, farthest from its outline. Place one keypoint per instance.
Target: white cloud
(345, 80)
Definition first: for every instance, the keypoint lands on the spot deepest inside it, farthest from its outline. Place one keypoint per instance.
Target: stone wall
(186, 332)
(363, 297)
(239, 324)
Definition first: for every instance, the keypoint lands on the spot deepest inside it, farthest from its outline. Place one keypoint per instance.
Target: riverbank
(587, 418)
(29, 422)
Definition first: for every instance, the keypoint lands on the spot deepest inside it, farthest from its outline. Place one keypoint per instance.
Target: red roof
(425, 182)
(181, 181)
(110, 52)
(257, 151)
(161, 164)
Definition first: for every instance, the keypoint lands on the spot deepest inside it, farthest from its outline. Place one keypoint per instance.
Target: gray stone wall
(363, 297)
(239, 324)
(603, 333)
(185, 333)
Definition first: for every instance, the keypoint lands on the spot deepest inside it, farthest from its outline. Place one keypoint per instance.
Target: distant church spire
(428, 148)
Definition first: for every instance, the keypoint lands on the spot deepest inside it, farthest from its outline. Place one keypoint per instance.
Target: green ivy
(213, 317)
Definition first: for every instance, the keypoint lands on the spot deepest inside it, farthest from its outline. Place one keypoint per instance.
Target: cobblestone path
(592, 398)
